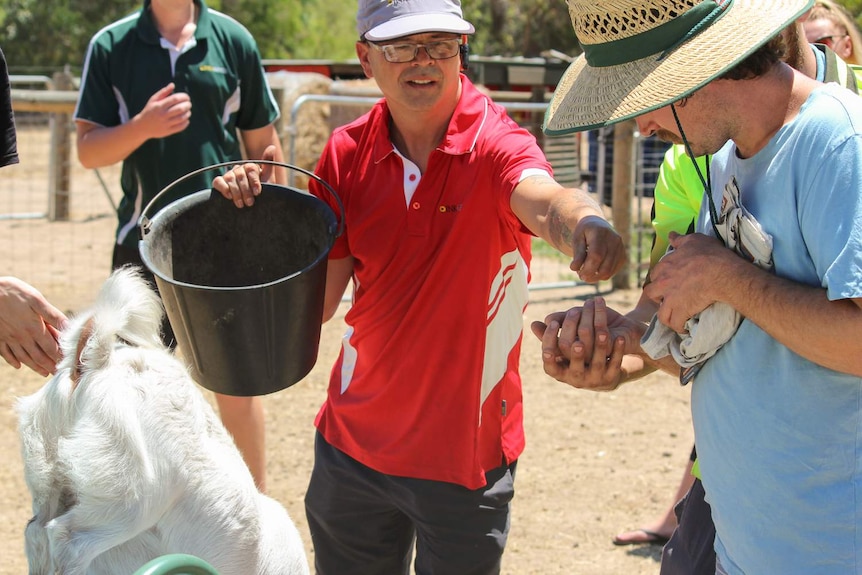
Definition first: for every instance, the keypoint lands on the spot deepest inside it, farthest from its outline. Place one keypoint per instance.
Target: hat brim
(419, 24)
(590, 97)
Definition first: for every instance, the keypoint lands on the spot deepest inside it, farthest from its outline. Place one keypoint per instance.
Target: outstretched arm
(571, 221)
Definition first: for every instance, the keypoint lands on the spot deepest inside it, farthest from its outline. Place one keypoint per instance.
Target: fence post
(621, 198)
(60, 160)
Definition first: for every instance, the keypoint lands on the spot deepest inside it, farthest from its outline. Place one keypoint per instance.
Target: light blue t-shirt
(780, 438)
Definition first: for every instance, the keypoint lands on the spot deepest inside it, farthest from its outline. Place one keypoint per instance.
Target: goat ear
(86, 333)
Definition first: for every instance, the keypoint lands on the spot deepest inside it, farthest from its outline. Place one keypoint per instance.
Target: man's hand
(585, 346)
(166, 112)
(599, 252)
(688, 279)
(28, 327)
(243, 183)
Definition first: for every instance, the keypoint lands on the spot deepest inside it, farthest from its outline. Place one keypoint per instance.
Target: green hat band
(662, 38)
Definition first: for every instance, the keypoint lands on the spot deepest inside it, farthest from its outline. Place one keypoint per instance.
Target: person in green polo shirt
(169, 89)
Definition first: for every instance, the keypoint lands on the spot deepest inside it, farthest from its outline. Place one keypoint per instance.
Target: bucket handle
(144, 221)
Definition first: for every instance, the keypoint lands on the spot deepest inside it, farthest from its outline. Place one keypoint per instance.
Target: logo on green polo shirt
(216, 69)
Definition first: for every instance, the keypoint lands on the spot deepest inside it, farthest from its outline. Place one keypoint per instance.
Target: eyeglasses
(829, 40)
(400, 53)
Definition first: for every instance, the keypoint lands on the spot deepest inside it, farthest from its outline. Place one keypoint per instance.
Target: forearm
(666, 364)
(338, 275)
(637, 364)
(572, 222)
(564, 213)
(800, 317)
(635, 367)
(100, 146)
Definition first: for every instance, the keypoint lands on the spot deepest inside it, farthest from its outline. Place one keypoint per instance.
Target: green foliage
(40, 36)
(297, 29)
(48, 34)
(520, 28)
(855, 8)
(328, 30)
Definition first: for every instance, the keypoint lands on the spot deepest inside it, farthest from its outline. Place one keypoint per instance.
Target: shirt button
(412, 177)
(416, 205)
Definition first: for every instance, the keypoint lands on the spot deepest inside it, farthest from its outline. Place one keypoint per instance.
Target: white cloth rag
(710, 329)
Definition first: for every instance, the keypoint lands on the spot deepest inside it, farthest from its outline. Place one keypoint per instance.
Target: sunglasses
(400, 53)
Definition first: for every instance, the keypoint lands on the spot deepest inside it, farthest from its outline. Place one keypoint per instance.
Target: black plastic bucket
(243, 288)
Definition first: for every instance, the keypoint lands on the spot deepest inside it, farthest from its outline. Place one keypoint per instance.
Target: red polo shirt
(427, 384)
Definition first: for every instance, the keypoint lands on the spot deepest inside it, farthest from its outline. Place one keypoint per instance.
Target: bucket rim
(144, 218)
(175, 282)
(209, 194)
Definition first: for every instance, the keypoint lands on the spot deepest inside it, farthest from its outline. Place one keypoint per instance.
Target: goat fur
(126, 461)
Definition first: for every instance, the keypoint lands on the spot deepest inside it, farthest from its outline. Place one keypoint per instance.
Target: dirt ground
(594, 463)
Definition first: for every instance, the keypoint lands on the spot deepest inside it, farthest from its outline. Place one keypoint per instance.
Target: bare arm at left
(28, 327)
(571, 221)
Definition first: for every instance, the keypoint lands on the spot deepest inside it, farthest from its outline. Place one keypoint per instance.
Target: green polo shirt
(220, 70)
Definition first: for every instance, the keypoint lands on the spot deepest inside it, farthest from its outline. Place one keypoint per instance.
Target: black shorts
(691, 549)
(363, 522)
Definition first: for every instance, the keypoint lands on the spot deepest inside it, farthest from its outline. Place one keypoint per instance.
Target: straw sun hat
(641, 55)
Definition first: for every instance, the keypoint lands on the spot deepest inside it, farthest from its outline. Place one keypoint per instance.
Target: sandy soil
(594, 463)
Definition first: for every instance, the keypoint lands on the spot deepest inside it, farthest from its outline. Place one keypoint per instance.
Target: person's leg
(243, 417)
(355, 527)
(459, 530)
(659, 531)
(691, 549)
(245, 420)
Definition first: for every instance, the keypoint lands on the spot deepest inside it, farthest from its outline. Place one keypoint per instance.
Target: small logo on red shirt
(451, 208)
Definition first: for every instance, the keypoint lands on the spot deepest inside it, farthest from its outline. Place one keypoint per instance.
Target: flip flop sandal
(651, 538)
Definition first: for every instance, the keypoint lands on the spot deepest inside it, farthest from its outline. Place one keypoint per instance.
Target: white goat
(126, 461)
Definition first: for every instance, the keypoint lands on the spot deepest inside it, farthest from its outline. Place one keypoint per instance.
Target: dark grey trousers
(365, 523)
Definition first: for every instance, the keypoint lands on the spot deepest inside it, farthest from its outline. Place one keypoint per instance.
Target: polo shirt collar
(464, 127)
(467, 121)
(148, 32)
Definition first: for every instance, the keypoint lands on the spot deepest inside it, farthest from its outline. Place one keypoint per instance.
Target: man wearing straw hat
(678, 196)
(776, 409)
(423, 421)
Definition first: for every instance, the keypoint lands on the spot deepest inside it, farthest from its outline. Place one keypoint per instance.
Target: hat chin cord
(707, 184)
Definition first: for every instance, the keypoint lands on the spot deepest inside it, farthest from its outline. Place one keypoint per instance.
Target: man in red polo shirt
(442, 191)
